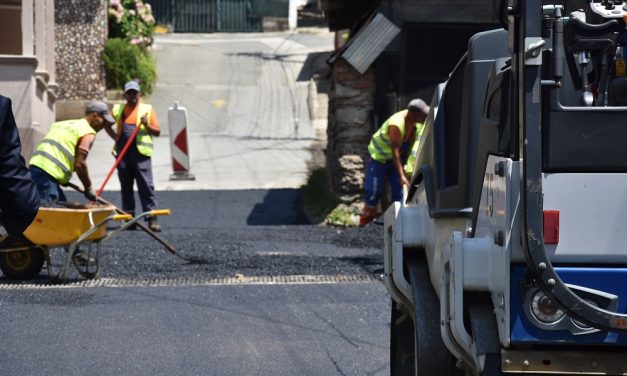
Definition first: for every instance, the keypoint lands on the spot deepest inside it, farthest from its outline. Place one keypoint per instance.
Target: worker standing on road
(386, 149)
(64, 149)
(19, 200)
(136, 165)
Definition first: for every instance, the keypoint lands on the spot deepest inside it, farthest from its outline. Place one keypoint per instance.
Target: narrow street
(267, 295)
(265, 292)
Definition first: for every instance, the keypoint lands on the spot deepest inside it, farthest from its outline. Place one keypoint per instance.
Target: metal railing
(206, 16)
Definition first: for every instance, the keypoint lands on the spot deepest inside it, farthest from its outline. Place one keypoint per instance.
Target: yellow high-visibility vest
(380, 147)
(56, 153)
(411, 160)
(143, 140)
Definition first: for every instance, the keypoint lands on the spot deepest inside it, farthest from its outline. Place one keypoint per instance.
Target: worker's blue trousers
(135, 167)
(47, 186)
(375, 178)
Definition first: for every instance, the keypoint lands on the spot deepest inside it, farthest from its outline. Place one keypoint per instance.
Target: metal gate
(206, 16)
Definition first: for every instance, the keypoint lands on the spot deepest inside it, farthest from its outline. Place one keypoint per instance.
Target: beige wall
(28, 77)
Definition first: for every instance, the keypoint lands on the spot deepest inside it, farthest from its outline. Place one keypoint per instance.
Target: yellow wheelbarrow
(66, 229)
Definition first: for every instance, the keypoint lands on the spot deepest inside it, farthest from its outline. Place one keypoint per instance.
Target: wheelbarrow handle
(145, 228)
(157, 212)
(122, 217)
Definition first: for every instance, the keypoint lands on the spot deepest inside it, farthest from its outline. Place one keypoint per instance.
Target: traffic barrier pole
(179, 150)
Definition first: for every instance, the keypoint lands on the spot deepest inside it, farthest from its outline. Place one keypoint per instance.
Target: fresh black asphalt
(251, 232)
(228, 329)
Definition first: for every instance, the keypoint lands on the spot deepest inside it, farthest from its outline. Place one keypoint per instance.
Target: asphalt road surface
(267, 294)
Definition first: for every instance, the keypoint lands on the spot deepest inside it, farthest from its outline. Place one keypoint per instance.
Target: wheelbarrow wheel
(86, 265)
(24, 264)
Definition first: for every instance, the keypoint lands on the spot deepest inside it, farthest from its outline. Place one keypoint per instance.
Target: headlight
(544, 309)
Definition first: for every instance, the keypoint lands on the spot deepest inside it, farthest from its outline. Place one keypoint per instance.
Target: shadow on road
(279, 207)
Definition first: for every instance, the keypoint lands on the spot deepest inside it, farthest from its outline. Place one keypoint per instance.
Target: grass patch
(318, 200)
(321, 205)
(342, 215)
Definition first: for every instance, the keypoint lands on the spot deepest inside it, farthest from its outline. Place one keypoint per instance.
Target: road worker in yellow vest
(411, 159)
(388, 151)
(136, 165)
(64, 150)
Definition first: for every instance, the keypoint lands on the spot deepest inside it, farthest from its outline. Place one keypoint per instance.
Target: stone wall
(81, 33)
(351, 101)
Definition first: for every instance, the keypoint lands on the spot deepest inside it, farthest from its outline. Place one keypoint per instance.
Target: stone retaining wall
(351, 101)
(81, 34)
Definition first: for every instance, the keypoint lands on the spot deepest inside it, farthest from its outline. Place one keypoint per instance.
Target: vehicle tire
(492, 366)
(419, 349)
(25, 264)
(402, 357)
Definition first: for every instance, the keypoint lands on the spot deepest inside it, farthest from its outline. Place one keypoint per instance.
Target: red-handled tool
(118, 160)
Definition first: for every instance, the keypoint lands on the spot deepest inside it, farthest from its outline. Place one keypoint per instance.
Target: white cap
(131, 85)
(418, 105)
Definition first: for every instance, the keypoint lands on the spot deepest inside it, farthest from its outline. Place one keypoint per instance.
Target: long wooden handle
(117, 160)
(148, 231)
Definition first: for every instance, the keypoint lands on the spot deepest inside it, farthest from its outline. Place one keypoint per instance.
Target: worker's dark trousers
(375, 177)
(140, 172)
(135, 167)
(47, 186)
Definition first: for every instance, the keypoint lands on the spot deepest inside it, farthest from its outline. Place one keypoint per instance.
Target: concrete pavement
(246, 96)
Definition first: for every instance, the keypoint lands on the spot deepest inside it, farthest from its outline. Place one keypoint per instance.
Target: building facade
(27, 66)
(81, 29)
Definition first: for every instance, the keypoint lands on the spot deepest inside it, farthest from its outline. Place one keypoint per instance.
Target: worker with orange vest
(136, 165)
(388, 149)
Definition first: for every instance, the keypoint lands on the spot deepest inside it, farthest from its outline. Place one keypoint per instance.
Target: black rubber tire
(492, 366)
(402, 347)
(90, 270)
(419, 351)
(21, 265)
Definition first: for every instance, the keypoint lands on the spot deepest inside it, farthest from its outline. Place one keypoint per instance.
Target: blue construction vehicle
(509, 252)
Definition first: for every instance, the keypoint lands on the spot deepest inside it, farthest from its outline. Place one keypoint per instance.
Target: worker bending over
(64, 150)
(388, 149)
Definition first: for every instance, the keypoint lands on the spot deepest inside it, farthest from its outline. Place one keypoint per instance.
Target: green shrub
(131, 20)
(124, 62)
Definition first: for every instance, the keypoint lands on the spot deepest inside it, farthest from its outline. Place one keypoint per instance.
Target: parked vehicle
(508, 254)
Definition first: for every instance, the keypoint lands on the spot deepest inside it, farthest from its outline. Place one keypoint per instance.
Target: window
(10, 27)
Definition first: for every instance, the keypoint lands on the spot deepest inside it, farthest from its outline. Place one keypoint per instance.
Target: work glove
(90, 194)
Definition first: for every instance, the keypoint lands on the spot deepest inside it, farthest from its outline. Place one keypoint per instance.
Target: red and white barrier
(179, 150)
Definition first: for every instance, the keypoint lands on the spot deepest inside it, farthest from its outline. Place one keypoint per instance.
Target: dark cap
(100, 108)
(418, 105)
(131, 85)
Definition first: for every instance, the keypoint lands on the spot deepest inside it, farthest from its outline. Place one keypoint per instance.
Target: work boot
(153, 225)
(368, 215)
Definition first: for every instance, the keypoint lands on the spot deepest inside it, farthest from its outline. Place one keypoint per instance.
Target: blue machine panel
(609, 280)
